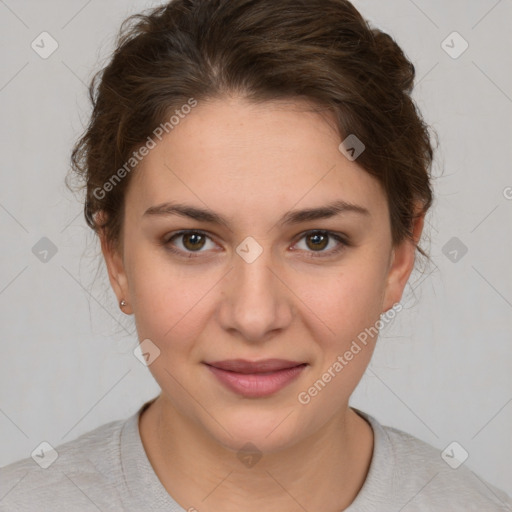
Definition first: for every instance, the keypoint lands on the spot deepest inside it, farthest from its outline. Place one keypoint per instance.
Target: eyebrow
(290, 218)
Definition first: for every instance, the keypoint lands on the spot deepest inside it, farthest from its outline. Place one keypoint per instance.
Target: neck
(322, 472)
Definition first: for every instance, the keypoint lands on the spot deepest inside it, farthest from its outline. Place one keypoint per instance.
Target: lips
(256, 379)
(254, 367)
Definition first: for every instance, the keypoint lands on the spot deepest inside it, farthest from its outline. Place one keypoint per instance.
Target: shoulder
(76, 475)
(444, 473)
(413, 474)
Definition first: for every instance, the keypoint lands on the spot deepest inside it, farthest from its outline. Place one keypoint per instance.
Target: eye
(317, 241)
(191, 242)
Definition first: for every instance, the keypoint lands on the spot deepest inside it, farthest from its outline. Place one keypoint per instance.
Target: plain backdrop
(442, 369)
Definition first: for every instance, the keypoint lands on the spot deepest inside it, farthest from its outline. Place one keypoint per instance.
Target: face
(263, 282)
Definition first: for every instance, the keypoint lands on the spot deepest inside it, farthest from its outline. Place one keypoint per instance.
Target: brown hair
(321, 51)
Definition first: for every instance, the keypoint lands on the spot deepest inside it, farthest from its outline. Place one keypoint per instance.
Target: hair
(320, 51)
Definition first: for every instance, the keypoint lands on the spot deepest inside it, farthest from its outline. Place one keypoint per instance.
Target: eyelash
(343, 243)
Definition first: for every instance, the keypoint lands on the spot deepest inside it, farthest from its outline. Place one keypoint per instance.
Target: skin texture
(253, 163)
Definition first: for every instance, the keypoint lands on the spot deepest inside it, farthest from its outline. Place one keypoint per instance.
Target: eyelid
(175, 234)
(167, 239)
(341, 238)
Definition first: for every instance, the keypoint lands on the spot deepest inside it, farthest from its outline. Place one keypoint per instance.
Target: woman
(258, 176)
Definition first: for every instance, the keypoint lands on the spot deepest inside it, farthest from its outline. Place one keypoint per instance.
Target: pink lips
(258, 378)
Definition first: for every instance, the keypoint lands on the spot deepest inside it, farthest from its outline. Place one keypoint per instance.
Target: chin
(268, 430)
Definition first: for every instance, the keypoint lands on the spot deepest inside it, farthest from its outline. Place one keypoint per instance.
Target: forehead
(235, 155)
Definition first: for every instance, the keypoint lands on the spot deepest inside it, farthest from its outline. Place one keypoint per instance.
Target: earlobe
(401, 265)
(116, 273)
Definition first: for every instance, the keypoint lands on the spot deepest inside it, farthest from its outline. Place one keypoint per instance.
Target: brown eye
(193, 241)
(317, 241)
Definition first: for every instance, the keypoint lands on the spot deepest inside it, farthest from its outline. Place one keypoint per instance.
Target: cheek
(349, 302)
(167, 308)
(344, 302)
(168, 300)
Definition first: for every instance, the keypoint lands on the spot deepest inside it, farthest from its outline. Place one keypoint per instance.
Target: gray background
(442, 369)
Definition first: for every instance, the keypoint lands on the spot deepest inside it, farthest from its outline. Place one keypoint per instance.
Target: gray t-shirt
(107, 469)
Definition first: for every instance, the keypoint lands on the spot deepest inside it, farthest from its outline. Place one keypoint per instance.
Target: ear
(116, 271)
(402, 263)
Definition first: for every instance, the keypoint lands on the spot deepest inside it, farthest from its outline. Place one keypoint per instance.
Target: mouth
(255, 379)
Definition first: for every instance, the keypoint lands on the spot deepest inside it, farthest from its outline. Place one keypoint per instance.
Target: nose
(256, 302)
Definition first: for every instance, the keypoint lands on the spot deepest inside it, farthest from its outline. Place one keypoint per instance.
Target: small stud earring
(123, 303)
